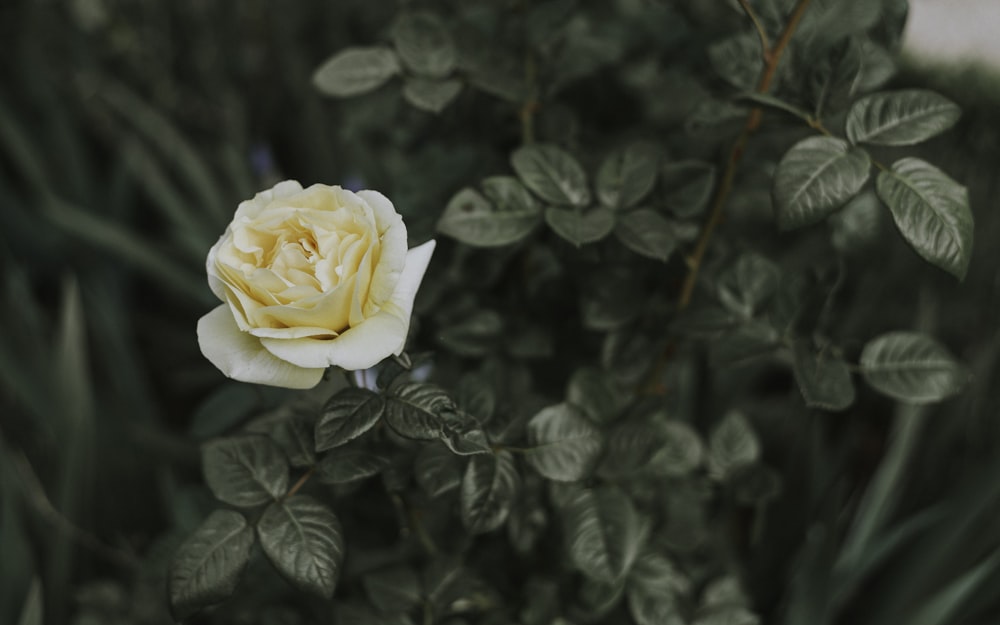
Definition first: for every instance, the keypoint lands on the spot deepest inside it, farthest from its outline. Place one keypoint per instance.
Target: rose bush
(310, 278)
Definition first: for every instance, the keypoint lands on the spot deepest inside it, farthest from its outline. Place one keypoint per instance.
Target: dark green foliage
(685, 353)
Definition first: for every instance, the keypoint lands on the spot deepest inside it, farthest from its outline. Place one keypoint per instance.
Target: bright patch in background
(953, 32)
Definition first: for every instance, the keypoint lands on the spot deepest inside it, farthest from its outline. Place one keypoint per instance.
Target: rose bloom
(310, 278)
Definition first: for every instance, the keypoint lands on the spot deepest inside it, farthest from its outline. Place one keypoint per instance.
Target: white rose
(310, 278)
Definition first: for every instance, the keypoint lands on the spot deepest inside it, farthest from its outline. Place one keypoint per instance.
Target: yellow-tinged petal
(242, 357)
(374, 339)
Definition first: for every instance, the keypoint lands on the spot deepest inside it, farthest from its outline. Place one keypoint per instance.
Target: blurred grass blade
(880, 498)
(171, 143)
(72, 415)
(118, 241)
(194, 235)
(941, 608)
(847, 580)
(31, 613)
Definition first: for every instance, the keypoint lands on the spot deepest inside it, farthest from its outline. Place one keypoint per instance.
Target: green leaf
(580, 227)
(31, 611)
(768, 100)
(824, 378)
(596, 393)
(346, 416)
(627, 449)
(506, 214)
(627, 175)
(464, 436)
(729, 615)
(431, 95)
(551, 173)
(424, 44)
(653, 609)
(207, 566)
(565, 445)
(303, 540)
(911, 367)
(738, 59)
(354, 71)
(437, 470)
(655, 574)
(680, 450)
(294, 435)
(931, 211)
(395, 589)
(245, 471)
(732, 445)
(816, 177)
(477, 396)
(489, 487)
(474, 335)
(605, 533)
(748, 283)
(900, 117)
(689, 186)
(417, 411)
(647, 233)
(350, 465)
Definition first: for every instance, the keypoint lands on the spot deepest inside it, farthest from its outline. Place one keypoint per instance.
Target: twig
(765, 44)
(772, 57)
(299, 484)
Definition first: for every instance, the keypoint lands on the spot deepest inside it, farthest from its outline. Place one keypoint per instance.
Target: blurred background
(129, 132)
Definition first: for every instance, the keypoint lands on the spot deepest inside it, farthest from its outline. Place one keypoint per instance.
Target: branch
(771, 59)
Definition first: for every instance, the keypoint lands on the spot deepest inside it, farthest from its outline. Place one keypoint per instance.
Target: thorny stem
(772, 56)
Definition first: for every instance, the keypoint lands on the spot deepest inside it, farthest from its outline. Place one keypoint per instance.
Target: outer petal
(369, 342)
(392, 232)
(241, 356)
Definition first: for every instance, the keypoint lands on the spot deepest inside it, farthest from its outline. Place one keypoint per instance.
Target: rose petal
(242, 357)
(393, 254)
(252, 208)
(372, 340)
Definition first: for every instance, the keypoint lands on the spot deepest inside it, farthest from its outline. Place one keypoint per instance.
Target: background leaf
(604, 532)
(627, 175)
(823, 378)
(565, 445)
(424, 44)
(911, 367)
(646, 233)
(207, 567)
(551, 173)
(900, 117)
(508, 216)
(931, 211)
(429, 95)
(355, 71)
(580, 227)
(733, 444)
(304, 541)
